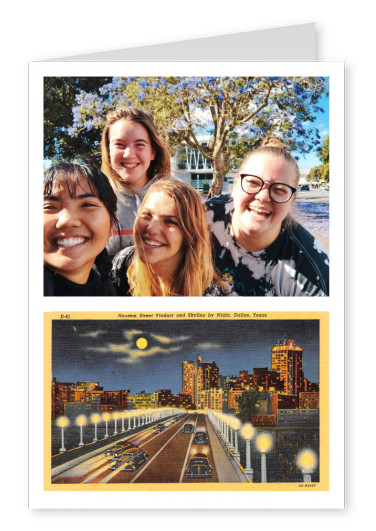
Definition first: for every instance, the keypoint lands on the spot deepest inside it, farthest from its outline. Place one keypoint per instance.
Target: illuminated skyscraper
(199, 376)
(287, 359)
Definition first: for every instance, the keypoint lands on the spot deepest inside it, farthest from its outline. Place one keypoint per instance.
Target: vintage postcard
(187, 400)
(197, 401)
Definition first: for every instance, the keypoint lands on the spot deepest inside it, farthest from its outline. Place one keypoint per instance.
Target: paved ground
(315, 196)
(226, 471)
(311, 209)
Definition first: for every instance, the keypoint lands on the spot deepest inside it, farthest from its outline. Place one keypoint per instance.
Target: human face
(131, 152)
(76, 230)
(257, 220)
(158, 237)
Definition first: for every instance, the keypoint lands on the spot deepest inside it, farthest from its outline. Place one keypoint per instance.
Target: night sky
(106, 350)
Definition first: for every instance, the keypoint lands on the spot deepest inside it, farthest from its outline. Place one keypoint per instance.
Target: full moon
(141, 343)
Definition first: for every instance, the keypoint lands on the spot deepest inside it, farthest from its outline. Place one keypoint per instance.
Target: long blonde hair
(160, 167)
(196, 272)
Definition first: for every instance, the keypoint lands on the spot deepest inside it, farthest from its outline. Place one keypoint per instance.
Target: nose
(128, 151)
(67, 218)
(264, 193)
(153, 226)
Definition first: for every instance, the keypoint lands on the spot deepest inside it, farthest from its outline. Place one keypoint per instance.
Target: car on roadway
(159, 428)
(200, 438)
(188, 428)
(118, 449)
(304, 187)
(132, 459)
(198, 467)
(325, 187)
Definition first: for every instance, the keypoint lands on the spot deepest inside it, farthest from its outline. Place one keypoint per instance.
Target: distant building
(263, 421)
(164, 398)
(280, 401)
(267, 379)
(143, 400)
(309, 400)
(191, 166)
(287, 359)
(74, 409)
(211, 399)
(298, 418)
(116, 399)
(199, 376)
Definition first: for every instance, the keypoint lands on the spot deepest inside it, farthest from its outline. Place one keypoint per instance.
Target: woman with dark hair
(79, 212)
(172, 254)
(259, 248)
(134, 157)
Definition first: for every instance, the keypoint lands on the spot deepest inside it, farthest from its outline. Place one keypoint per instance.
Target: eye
(89, 204)
(251, 181)
(49, 206)
(281, 190)
(172, 222)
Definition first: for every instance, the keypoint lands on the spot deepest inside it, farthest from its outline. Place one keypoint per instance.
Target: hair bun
(273, 141)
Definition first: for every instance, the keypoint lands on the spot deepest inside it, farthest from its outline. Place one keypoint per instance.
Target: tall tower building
(188, 386)
(199, 376)
(287, 359)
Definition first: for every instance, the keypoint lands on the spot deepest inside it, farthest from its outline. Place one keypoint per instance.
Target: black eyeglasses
(279, 192)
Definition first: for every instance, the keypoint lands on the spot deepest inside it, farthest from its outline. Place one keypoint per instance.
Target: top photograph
(186, 186)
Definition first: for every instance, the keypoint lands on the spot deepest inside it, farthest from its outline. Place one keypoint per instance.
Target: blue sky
(106, 351)
(311, 160)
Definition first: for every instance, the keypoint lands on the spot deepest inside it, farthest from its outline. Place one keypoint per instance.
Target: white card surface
(231, 55)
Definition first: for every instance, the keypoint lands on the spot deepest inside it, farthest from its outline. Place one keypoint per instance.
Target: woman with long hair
(259, 248)
(134, 156)
(172, 253)
(79, 212)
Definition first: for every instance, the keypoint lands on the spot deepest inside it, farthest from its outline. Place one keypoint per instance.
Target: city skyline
(147, 355)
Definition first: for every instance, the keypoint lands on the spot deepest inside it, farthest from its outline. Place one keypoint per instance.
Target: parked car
(304, 187)
(188, 428)
(132, 458)
(200, 438)
(325, 187)
(198, 467)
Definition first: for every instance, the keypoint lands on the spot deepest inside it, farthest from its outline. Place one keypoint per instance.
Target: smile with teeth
(70, 242)
(259, 211)
(153, 243)
(129, 164)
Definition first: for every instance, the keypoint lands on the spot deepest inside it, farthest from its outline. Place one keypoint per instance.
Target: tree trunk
(220, 168)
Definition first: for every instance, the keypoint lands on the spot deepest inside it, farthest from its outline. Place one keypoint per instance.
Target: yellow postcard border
(323, 317)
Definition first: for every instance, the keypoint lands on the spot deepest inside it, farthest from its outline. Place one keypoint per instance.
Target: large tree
(59, 98)
(247, 404)
(321, 172)
(235, 111)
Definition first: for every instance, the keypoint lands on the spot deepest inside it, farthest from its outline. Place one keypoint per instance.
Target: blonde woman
(134, 156)
(172, 255)
(259, 248)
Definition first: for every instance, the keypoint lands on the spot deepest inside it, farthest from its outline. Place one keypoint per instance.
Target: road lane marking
(152, 459)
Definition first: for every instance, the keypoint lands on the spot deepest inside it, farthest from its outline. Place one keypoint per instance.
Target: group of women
(132, 229)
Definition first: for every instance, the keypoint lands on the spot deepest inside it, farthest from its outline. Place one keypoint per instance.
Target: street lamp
(62, 422)
(123, 414)
(106, 417)
(81, 421)
(264, 443)
(95, 418)
(248, 432)
(307, 462)
(115, 416)
(235, 423)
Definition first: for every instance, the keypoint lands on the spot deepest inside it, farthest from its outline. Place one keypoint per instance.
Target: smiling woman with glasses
(259, 248)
